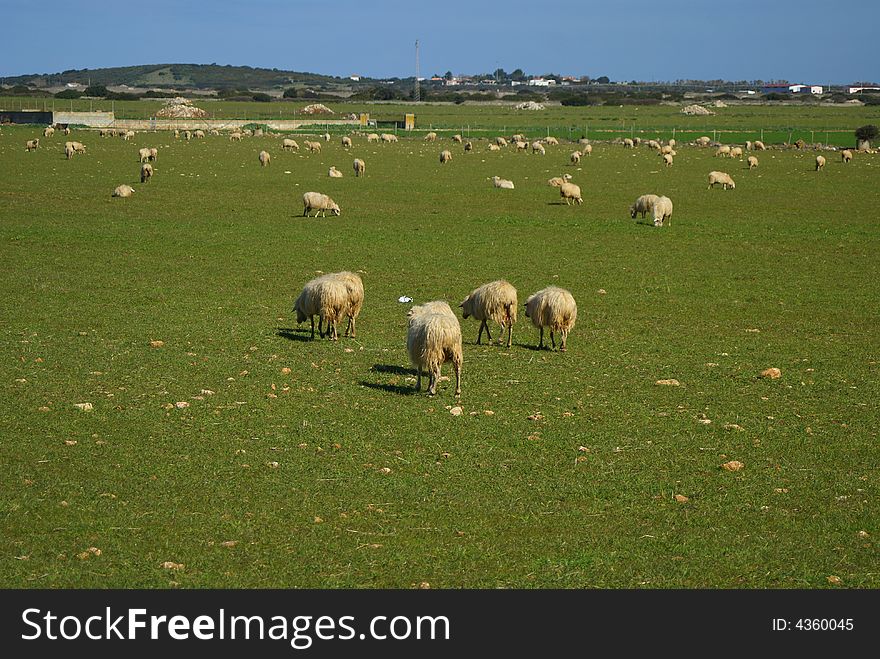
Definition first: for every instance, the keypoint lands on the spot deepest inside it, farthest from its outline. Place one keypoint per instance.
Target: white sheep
(587, 149)
(753, 162)
(288, 144)
(79, 147)
(154, 154)
(555, 308)
(723, 178)
(653, 144)
(468, 146)
(495, 301)
(662, 211)
(569, 192)
(500, 141)
(749, 145)
(457, 139)
(557, 181)
(326, 297)
(235, 137)
(665, 149)
(722, 151)
(667, 159)
(846, 155)
(187, 135)
(214, 132)
(326, 136)
(127, 134)
(433, 337)
(537, 147)
(759, 146)
(346, 142)
(643, 204)
(144, 154)
(146, 172)
(736, 152)
(373, 137)
(430, 137)
(123, 191)
(388, 138)
(575, 157)
(314, 147)
(354, 288)
(628, 143)
(320, 203)
(69, 151)
(521, 146)
(48, 131)
(265, 159)
(334, 173)
(360, 167)
(32, 145)
(445, 156)
(820, 162)
(671, 143)
(551, 140)
(519, 137)
(502, 183)
(200, 134)
(703, 141)
(492, 147)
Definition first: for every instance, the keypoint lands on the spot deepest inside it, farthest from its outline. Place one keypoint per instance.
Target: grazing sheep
(753, 162)
(48, 131)
(759, 146)
(144, 154)
(555, 308)
(820, 162)
(628, 143)
(187, 135)
(665, 149)
(326, 297)
(67, 131)
(79, 147)
(326, 136)
(123, 191)
(359, 167)
(176, 134)
(265, 159)
(214, 132)
(346, 142)
(445, 156)
(653, 144)
(289, 144)
(354, 288)
(32, 145)
(703, 141)
(314, 147)
(557, 181)
(667, 159)
(199, 134)
(749, 145)
(69, 151)
(521, 146)
(128, 134)
(662, 211)
(587, 149)
(575, 157)
(723, 178)
(154, 154)
(320, 203)
(334, 173)
(502, 183)
(373, 137)
(103, 132)
(671, 143)
(722, 151)
(433, 337)
(495, 301)
(537, 147)
(388, 138)
(492, 147)
(146, 172)
(234, 137)
(569, 192)
(637, 141)
(457, 139)
(846, 155)
(643, 204)
(468, 146)
(500, 141)
(430, 137)
(736, 152)
(519, 137)
(551, 140)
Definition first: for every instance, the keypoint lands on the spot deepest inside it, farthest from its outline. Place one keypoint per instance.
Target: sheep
(667, 159)
(753, 162)
(468, 146)
(314, 147)
(146, 172)
(654, 144)
(722, 151)
(575, 157)
(846, 155)
(187, 135)
(430, 137)
(199, 134)
(144, 154)
(247, 132)
(671, 143)
(500, 141)
(643, 204)
(127, 134)
(723, 178)
(433, 337)
(662, 211)
(637, 141)
(628, 143)
(32, 145)
(494, 301)
(665, 149)
(457, 139)
(551, 140)
(320, 203)
(521, 146)
(445, 156)
(289, 144)
(346, 142)
(704, 141)
(326, 297)
(67, 131)
(557, 181)
(235, 137)
(79, 147)
(48, 131)
(176, 134)
(265, 159)
(103, 132)
(519, 137)
(492, 147)
(154, 154)
(69, 151)
(334, 173)
(123, 191)
(354, 288)
(326, 136)
(820, 162)
(569, 192)
(537, 147)
(555, 308)
(749, 145)
(359, 167)
(388, 138)
(736, 152)
(214, 132)
(373, 137)
(587, 149)
(502, 183)
(759, 146)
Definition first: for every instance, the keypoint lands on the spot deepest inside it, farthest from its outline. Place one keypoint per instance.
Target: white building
(541, 82)
(797, 89)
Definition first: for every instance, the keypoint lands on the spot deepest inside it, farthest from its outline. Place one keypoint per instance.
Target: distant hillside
(191, 76)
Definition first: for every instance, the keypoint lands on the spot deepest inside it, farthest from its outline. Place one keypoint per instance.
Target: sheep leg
(552, 340)
(457, 365)
(509, 334)
(480, 333)
(541, 341)
(432, 382)
(419, 378)
(320, 326)
(564, 335)
(312, 318)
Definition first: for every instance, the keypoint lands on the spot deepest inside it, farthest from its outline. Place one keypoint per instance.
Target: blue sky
(798, 40)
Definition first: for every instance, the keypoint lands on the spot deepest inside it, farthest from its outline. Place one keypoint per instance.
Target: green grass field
(280, 479)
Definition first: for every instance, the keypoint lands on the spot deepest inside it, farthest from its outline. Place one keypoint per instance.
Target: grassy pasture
(290, 467)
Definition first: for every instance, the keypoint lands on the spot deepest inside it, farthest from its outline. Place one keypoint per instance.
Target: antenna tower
(416, 94)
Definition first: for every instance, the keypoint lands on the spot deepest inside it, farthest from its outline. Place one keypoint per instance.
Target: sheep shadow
(399, 389)
(392, 368)
(291, 334)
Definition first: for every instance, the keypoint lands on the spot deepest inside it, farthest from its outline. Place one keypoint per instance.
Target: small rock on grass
(681, 498)
(733, 465)
(772, 373)
(171, 565)
(671, 382)
(85, 407)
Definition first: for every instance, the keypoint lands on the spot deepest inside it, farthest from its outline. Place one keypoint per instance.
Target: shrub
(261, 97)
(867, 133)
(95, 90)
(69, 93)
